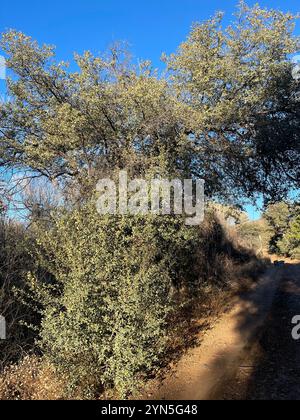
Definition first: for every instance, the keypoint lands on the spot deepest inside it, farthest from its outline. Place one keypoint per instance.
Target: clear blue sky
(150, 27)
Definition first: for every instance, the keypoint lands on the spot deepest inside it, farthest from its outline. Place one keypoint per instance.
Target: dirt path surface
(249, 353)
(271, 370)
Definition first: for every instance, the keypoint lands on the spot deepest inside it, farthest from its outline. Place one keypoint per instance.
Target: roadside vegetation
(283, 220)
(96, 305)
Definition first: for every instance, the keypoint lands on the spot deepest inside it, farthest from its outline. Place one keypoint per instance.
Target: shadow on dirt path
(206, 372)
(250, 353)
(271, 371)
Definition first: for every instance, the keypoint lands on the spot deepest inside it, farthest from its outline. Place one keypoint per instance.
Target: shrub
(106, 293)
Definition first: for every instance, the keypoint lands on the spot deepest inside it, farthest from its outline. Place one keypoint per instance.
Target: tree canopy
(225, 110)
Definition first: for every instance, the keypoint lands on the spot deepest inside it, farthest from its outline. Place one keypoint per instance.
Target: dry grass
(14, 263)
(30, 379)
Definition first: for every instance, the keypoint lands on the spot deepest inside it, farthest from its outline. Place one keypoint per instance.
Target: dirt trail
(271, 370)
(223, 366)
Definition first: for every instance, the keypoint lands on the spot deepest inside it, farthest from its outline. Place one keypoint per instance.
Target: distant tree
(255, 234)
(283, 219)
(290, 243)
(278, 216)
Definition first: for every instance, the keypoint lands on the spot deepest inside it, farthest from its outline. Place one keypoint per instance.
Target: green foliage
(277, 216)
(107, 294)
(283, 220)
(237, 80)
(290, 243)
(226, 111)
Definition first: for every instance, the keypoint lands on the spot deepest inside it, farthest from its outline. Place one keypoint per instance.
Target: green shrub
(106, 293)
(290, 243)
(284, 223)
